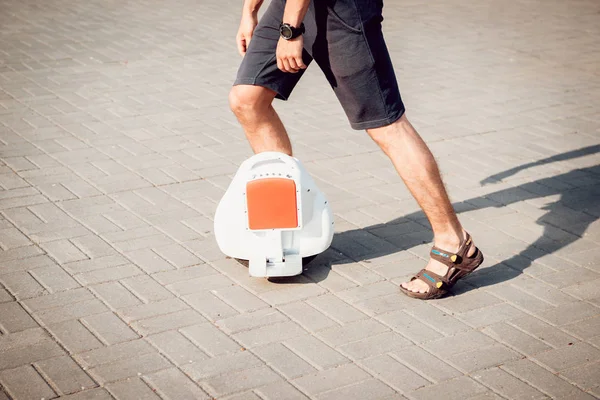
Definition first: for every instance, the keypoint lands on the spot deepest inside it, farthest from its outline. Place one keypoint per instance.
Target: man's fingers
(241, 48)
(286, 65)
(280, 64)
(294, 65)
(300, 63)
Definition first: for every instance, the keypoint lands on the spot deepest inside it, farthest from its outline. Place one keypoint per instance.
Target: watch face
(286, 31)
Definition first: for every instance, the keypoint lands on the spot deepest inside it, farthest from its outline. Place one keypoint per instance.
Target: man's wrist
(251, 7)
(290, 32)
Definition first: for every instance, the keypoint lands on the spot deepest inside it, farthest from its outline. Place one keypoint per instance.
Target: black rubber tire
(305, 260)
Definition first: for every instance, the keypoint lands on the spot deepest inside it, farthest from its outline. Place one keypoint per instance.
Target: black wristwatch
(289, 32)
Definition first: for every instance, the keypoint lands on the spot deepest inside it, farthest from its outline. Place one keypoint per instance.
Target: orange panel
(272, 203)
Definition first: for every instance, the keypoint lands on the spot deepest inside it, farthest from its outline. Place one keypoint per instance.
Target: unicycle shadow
(564, 223)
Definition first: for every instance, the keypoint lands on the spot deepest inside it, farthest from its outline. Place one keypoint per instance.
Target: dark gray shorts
(345, 39)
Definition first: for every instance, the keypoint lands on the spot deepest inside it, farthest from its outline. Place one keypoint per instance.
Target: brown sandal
(459, 266)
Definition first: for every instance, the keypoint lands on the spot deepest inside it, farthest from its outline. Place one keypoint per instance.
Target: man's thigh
(352, 53)
(259, 65)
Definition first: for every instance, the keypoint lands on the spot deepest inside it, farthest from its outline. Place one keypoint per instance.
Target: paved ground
(116, 142)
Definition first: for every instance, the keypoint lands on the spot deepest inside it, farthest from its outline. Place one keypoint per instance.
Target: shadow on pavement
(578, 206)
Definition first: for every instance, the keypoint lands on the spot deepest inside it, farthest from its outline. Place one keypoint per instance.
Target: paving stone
(374, 345)
(239, 298)
(131, 388)
(585, 329)
(5, 297)
(336, 309)
(162, 323)
(22, 285)
(352, 331)
(130, 367)
(93, 246)
(316, 352)
(74, 336)
(491, 315)
(368, 388)
(543, 331)
(111, 354)
(109, 328)
(426, 364)
(284, 361)
(11, 238)
(483, 357)
(330, 280)
(146, 288)
(281, 391)
(223, 365)
(568, 356)
(173, 384)
(210, 282)
(307, 317)
(507, 385)
(292, 293)
(409, 327)
(437, 319)
(330, 379)
(239, 381)
(26, 347)
(20, 254)
(115, 295)
(95, 264)
(586, 376)
(515, 339)
(393, 373)
(149, 261)
(25, 383)
(247, 321)
(177, 348)
(459, 388)
(210, 339)
(178, 256)
(54, 278)
(542, 379)
(209, 305)
(467, 302)
(385, 304)
(569, 313)
(108, 274)
(63, 251)
(272, 333)
(13, 318)
(70, 312)
(64, 374)
(197, 271)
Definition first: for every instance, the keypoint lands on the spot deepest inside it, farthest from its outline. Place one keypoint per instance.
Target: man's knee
(245, 100)
(387, 136)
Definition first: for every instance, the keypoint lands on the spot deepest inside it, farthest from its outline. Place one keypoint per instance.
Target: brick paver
(116, 143)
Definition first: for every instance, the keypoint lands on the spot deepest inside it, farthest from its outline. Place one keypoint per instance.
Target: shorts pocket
(353, 26)
(349, 52)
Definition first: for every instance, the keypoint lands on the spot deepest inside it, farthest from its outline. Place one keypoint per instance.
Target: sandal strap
(433, 280)
(451, 259)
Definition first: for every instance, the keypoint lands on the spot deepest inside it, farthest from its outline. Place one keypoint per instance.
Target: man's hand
(289, 54)
(245, 32)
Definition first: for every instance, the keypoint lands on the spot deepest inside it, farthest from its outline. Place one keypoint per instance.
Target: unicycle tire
(305, 260)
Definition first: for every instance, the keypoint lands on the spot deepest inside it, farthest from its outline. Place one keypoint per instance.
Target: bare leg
(253, 108)
(419, 171)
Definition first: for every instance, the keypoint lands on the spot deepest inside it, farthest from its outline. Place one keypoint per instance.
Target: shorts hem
(258, 82)
(377, 123)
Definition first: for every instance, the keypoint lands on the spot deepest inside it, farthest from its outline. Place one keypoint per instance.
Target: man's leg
(252, 105)
(419, 171)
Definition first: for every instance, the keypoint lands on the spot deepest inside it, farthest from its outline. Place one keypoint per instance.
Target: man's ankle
(450, 239)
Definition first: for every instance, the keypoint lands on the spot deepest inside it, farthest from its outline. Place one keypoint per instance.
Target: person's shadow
(564, 223)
